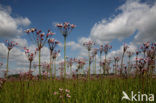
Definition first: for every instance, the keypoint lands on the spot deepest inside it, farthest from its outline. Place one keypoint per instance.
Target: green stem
(30, 62)
(51, 64)
(71, 70)
(54, 68)
(64, 57)
(39, 62)
(7, 63)
(122, 63)
(95, 64)
(129, 66)
(89, 64)
(104, 71)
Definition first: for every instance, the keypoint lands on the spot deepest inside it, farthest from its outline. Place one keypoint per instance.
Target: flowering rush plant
(10, 44)
(38, 36)
(30, 55)
(63, 94)
(40, 39)
(65, 28)
(88, 45)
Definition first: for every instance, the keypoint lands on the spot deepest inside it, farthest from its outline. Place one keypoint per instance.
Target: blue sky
(83, 13)
(113, 21)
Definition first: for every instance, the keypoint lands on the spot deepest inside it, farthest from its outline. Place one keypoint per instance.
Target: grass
(107, 90)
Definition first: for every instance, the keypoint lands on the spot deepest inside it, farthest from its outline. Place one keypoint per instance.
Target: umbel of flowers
(65, 30)
(40, 39)
(63, 95)
(89, 44)
(52, 43)
(9, 45)
(30, 56)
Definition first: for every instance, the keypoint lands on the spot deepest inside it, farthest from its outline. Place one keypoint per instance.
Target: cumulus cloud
(10, 26)
(114, 53)
(134, 16)
(21, 42)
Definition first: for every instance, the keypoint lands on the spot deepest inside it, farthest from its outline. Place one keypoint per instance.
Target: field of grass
(106, 90)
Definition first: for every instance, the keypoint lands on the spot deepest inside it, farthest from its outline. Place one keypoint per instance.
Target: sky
(103, 21)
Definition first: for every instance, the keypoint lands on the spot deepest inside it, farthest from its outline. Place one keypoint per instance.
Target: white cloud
(21, 42)
(134, 16)
(74, 45)
(10, 26)
(114, 53)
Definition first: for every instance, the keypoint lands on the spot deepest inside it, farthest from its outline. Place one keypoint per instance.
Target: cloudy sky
(112, 21)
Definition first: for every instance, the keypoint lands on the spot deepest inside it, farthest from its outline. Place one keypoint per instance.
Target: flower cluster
(29, 54)
(89, 45)
(63, 93)
(81, 62)
(106, 48)
(52, 44)
(10, 44)
(65, 28)
(141, 64)
(145, 47)
(38, 36)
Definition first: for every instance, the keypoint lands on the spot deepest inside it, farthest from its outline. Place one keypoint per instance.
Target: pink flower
(55, 93)
(10, 45)
(59, 25)
(67, 90)
(60, 89)
(73, 26)
(68, 96)
(65, 28)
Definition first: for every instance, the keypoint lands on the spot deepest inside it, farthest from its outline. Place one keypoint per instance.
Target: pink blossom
(68, 96)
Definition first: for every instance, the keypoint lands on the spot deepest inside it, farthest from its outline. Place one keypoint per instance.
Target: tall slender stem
(104, 71)
(89, 64)
(70, 70)
(30, 62)
(7, 63)
(115, 71)
(100, 63)
(51, 64)
(129, 65)
(122, 63)
(64, 56)
(54, 68)
(95, 64)
(39, 62)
